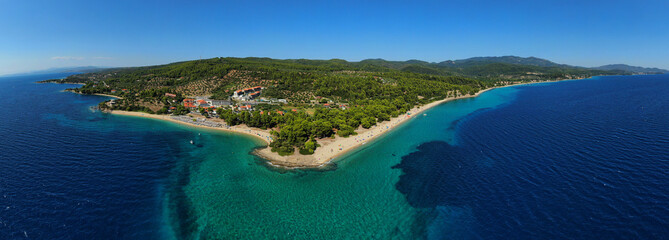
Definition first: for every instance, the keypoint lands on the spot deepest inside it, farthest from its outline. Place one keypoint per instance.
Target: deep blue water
(571, 160)
(69, 173)
(577, 159)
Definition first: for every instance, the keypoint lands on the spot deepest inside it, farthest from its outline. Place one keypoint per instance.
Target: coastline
(242, 129)
(96, 94)
(104, 95)
(329, 150)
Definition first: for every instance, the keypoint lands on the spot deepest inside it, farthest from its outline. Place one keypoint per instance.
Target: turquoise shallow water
(232, 196)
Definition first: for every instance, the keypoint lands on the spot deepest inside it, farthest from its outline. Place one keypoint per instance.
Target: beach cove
(329, 148)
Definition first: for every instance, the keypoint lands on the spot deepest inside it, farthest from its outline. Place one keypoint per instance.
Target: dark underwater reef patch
(435, 175)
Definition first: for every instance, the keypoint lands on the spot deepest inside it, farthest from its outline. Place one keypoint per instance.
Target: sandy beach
(202, 122)
(329, 149)
(332, 148)
(107, 95)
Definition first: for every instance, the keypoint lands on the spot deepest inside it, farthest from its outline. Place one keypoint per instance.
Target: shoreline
(241, 129)
(329, 150)
(104, 95)
(95, 94)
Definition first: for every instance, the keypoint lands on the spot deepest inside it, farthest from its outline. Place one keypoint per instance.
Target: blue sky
(37, 35)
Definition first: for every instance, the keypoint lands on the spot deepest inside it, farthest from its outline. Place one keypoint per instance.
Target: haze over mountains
(533, 61)
(629, 68)
(528, 61)
(80, 69)
(413, 65)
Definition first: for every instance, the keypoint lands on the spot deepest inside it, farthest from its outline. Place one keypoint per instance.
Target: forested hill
(302, 79)
(297, 80)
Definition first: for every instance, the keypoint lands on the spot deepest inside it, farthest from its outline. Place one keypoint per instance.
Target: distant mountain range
(472, 67)
(632, 69)
(476, 63)
(82, 69)
(531, 61)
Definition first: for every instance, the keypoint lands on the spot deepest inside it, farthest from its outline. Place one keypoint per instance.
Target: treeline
(299, 129)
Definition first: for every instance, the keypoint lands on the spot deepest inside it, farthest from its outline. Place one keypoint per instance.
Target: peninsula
(307, 111)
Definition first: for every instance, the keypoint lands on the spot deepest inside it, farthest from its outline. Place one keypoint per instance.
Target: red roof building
(189, 103)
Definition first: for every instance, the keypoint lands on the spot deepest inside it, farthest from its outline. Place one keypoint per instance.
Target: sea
(578, 159)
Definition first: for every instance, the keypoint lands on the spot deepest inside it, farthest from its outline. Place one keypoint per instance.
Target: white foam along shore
(329, 149)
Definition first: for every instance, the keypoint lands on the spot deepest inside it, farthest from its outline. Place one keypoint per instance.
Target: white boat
(191, 142)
